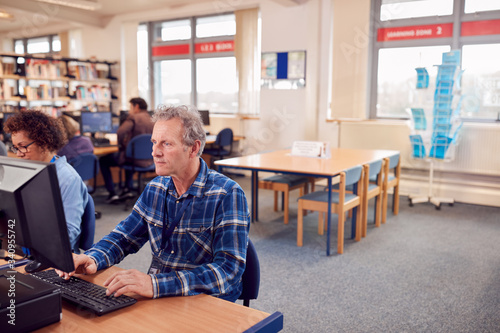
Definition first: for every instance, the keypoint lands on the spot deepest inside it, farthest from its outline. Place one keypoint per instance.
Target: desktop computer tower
(27, 303)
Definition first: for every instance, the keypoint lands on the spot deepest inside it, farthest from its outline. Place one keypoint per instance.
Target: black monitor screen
(96, 122)
(32, 214)
(205, 117)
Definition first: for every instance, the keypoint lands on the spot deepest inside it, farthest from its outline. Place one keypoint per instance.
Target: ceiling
(29, 16)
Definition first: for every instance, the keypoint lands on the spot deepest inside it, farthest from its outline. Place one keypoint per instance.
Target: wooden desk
(281, 161)
(200, 313)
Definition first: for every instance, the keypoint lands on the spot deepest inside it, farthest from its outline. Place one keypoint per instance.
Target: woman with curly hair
(37, 137)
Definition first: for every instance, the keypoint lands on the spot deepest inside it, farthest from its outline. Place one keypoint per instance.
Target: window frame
(26, 39)
(191, 55)
(456, 41)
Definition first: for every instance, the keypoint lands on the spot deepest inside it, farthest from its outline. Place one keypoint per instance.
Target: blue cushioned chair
(222, 147)
(250, 280)
(372, 190)
(391, 179)
(341, 203)
(139, 148)
(284, 184)
(87, 166)
(87, 228)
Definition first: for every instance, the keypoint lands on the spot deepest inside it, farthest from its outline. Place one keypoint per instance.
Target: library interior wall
(332, 33)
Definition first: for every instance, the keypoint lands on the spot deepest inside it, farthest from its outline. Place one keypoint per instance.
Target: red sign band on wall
(478, 28)
(415, 32)
(211, 47)
(166, 50)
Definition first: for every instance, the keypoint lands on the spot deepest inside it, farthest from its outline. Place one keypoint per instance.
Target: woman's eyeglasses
(22, 149)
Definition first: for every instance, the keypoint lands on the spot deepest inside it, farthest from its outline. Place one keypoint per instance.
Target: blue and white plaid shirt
(206, 252)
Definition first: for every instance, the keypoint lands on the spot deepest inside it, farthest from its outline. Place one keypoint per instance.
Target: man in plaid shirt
(196, 221)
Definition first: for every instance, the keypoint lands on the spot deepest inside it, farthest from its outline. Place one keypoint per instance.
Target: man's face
(170, 155)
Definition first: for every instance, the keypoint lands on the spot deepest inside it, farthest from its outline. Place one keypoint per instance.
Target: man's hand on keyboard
(83, 265)
(128, 281)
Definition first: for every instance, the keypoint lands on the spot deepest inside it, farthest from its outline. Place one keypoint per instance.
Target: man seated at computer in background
(206, 251)
(37, 137)
(138, 122)
(77, 144)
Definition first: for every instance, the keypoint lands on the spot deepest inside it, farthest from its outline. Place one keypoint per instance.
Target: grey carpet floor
(423, 271)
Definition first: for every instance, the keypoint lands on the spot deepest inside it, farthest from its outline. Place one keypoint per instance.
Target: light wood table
(283, 162)
(200, 313)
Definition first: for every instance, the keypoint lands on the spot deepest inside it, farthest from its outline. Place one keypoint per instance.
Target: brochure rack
(434, 137)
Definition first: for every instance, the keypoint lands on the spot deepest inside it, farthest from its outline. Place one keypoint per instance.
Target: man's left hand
(129, 281)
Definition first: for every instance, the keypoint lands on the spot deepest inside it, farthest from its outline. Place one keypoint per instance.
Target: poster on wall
(283, 70)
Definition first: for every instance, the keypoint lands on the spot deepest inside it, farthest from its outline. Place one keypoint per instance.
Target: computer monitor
(205, 117)
(32, 214)
(96, 122)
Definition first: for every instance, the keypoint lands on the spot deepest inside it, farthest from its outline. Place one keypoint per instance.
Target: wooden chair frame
(339, 208)
(285, 188)
(393, 183)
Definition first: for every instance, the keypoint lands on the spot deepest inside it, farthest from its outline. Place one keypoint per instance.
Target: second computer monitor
(96, 122)
(205, 117)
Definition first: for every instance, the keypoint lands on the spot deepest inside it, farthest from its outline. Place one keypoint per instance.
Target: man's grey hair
(191, 120)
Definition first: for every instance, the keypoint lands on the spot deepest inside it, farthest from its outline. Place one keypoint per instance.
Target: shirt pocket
(197, 241)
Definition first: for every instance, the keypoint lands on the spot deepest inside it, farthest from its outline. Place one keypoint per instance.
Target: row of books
(44, 69)
(44, 92)
(87, 71)
(6, 90)
(95, 92)
(53, 69)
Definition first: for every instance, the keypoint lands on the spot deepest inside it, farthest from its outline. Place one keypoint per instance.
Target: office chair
(87, 166)
(87, 228)
(223, 146)
(341, 203)
(285, 184)
(139, 148)
(250, 280)
(371, 190)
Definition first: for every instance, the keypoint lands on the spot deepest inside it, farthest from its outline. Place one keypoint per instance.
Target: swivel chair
(87, 228)
(87, 166)
(250, 280)
(139, 148)
(223, 146)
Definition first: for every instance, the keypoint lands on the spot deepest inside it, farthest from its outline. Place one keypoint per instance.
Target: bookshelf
(55, 84)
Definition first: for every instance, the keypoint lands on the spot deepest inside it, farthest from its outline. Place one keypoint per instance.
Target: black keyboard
(85, 294)
(101, 142)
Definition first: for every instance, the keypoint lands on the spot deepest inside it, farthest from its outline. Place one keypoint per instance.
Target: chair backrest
(352, 175)
(375, 168)
(393, 161)
(87, 228)
(87, 165)
(250, 280)
(225, 138)
(140, 148)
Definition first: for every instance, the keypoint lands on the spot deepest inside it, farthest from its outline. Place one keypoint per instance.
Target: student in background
(138, 122)
(195, 219)
(37, 137)
(77, 144)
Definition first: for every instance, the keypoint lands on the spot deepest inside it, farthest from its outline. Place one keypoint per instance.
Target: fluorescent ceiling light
(5, 15)
(80, 4)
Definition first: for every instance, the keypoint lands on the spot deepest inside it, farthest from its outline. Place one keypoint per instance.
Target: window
(194, 62)
(411, 34)
(43, 44)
